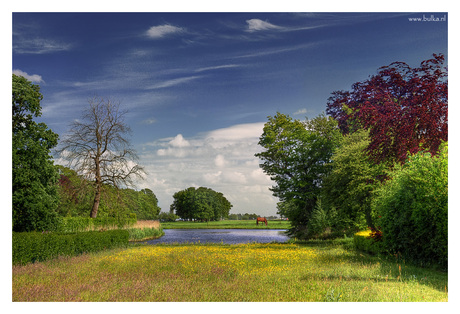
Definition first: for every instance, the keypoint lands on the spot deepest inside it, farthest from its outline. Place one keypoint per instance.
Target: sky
(200, 86)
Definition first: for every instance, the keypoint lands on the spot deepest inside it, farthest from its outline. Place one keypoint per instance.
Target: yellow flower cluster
(243, 259)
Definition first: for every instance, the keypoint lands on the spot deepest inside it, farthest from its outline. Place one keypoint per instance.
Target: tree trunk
(97, 199)
(97, 196)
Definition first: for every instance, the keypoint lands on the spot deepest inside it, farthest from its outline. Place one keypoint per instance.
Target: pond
(226, 236)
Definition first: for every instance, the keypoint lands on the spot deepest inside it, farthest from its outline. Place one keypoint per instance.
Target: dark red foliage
(404, 108)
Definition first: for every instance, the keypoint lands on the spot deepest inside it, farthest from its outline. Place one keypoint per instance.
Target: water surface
(227, 236)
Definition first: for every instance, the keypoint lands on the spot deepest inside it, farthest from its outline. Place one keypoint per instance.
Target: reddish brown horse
(262, 220)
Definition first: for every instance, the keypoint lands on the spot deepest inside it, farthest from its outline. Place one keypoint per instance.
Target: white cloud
(300, 111)
(255, 25)
(217, 67)
(237, 132)
(221, 159)
(160, 31)
(38, 46)
(149, 121)
(34, 78)
(173, 82)
(179, 141)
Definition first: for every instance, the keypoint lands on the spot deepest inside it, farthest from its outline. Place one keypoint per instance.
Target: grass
(308, 271)
(226, 224)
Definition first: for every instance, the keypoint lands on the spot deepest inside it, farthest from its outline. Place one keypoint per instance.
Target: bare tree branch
(98, 148)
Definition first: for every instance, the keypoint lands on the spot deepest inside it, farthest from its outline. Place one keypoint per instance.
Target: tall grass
(311, 271)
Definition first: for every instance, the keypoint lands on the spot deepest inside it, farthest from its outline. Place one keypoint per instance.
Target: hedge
(30, 247)
(363, 242)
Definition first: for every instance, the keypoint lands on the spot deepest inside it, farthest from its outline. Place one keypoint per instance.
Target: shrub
(364, 241)
(413, 206)
(29, 247)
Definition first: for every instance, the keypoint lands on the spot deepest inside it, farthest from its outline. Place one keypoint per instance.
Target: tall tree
(404, 108)
(97, 147)
(296, 156)
(34, 175)
(349, 186)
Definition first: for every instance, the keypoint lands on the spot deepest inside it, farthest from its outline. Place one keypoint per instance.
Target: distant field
(227, 224)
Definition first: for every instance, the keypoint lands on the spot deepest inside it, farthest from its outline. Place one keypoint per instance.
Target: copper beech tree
(404, 109)
(98, 148)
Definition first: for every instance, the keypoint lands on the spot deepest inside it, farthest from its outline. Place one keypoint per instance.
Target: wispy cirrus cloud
(255, 25)
(173, 82)
(160, 31)
(218, 67)
(38, 45)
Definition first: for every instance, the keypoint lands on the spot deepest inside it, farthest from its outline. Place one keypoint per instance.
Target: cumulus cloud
(160, 31)
(221, 159)
(179, 141)
(34, 78)
(255, 25)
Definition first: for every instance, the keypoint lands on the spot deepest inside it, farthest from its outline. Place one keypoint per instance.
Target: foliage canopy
(200, 204)
(34, 176)
(404, 108)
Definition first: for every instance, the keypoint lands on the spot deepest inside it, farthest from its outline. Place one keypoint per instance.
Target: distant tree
(34, 176)
(404, 108)
(297, 157)
(98, 148)
(167, 217)
(200, 204)
(233, 217)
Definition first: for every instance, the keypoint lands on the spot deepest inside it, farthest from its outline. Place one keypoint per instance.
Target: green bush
(413, 209)
(363, 242)
(29, 247)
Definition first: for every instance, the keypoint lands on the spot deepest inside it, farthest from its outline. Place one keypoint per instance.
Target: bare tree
(97, 147)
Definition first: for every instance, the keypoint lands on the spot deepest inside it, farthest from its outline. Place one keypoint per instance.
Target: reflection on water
(227, 236)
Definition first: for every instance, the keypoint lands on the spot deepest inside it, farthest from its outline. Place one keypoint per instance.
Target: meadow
(296, 271)
(227, 224)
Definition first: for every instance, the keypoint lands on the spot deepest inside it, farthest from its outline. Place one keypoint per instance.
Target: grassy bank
(226, 224)
(312, 271)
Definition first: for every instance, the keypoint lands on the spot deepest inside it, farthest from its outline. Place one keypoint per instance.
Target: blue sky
(199, 86)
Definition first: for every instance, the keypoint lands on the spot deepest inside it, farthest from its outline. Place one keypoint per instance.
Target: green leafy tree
(354, 176)
(200, 204)
(297, 157)
(34, 175)
(75, 193)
